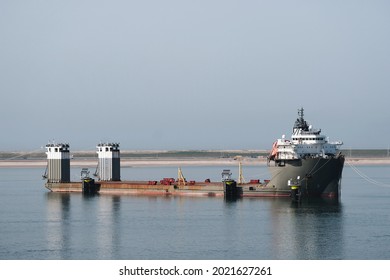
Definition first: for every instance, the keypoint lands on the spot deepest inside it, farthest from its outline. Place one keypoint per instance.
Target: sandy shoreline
(134, 162)
(175, 162)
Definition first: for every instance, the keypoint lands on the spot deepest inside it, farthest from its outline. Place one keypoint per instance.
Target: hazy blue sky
(213, 74)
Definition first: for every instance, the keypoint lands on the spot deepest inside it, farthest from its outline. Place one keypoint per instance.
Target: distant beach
(138, 162)
(134, 158)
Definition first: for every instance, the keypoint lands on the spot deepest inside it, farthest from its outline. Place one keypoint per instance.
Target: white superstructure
(305, 142)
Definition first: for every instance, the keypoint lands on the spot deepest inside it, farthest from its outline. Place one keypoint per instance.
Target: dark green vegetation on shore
(353, 153)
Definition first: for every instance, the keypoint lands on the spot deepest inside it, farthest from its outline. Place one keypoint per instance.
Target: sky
(192, 75)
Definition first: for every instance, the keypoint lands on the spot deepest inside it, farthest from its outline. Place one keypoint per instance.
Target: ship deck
(145, 188)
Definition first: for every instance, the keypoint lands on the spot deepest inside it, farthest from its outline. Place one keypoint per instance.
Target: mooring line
(365, 177)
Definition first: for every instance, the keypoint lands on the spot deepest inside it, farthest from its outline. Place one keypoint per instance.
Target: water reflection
(308, 230)
(115, 227)
(108, 232)
(58, 224)
(95, 223)
(277, 228)
(232, 199)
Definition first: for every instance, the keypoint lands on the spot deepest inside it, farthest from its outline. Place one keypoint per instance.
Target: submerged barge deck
(145, 188)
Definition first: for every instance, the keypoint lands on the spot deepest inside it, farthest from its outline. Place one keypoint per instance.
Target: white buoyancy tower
(305, 142)
(108, 162)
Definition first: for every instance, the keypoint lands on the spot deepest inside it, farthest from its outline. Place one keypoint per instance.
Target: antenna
(300, 113)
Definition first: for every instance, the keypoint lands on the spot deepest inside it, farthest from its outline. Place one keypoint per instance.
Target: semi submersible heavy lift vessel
(307, 159)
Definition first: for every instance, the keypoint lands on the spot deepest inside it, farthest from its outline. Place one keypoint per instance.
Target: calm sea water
(37, 224)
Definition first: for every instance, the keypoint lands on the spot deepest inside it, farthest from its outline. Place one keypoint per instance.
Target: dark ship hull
(319, 177)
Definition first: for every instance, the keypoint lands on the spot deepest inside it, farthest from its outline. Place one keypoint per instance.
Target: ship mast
(300, 123)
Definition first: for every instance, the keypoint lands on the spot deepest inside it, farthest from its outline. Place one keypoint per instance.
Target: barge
(170, 189)
(143, 188)
(108, 179)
